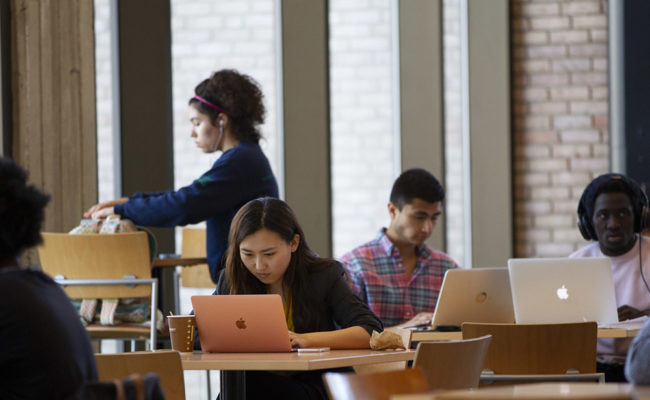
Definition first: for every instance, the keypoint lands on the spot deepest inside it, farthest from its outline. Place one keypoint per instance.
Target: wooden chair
(97, 266)
(548, 352)
(389, 366)
(167, 364)
(197, 276)
(375, 386)
(454, 364)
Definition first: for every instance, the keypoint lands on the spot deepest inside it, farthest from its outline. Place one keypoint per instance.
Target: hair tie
(207, 103)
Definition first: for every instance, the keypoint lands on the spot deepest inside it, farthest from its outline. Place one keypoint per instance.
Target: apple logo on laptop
(563, 293)
(481, 297)
(241, 324)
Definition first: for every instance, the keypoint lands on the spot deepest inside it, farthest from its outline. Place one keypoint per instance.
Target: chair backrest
(376, 386)
(537, 348)
(136, 386)
(96, 257)
(167, 364)
(455, 364)
(196, 276)
(405, 334)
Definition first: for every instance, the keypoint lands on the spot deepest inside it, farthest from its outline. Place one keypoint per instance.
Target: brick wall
(560, 118)
(362, 145)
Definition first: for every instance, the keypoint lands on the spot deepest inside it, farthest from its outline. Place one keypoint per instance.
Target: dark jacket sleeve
(346, 308)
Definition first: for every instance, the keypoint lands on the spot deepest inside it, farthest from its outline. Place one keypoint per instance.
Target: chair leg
(209, 386)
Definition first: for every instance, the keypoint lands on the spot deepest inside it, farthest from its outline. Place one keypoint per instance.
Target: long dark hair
(276, 216)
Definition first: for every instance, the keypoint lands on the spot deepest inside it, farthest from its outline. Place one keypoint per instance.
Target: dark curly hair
(21, 211)
(240, 96)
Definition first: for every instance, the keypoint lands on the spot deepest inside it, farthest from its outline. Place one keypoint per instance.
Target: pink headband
(207, 103)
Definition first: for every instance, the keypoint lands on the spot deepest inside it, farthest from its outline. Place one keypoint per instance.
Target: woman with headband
(225, 114)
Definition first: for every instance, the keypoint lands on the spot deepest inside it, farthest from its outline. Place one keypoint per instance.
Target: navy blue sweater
(241, 174)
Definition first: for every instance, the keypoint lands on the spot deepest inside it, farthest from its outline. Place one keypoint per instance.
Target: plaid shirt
(376, 275)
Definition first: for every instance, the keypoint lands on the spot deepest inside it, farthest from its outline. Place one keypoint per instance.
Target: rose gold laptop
(241, 323)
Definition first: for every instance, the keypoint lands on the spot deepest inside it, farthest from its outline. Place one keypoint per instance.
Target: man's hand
(93, 212)
(626, 312)
(423, 318)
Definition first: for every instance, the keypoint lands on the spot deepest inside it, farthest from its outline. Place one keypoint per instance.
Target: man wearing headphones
(613, 211)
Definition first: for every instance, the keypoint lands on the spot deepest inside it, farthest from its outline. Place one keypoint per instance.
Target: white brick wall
(361, 117)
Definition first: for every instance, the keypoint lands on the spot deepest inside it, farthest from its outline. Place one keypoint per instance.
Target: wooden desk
(542, 391)
(232, 365)
(602, 333)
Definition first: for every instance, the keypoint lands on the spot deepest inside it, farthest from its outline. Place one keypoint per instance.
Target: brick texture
(560, 115)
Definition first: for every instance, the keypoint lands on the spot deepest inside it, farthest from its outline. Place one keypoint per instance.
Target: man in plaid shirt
(397, 274)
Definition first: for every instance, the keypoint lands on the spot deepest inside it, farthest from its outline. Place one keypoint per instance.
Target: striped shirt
(376, 274)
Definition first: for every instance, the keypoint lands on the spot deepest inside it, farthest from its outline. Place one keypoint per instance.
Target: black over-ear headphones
(639, 201)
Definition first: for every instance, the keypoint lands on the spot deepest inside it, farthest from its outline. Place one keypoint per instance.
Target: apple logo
(481, 297)
(241, 324)
(563, 293)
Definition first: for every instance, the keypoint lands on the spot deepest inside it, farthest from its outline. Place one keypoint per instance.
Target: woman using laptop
(225, 112)
(268, 254)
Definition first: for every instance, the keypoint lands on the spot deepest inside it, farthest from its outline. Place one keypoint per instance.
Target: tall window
(453, 95)
(104, 96)
(362, 118)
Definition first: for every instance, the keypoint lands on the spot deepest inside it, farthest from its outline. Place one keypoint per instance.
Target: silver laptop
(553, 290)
(473, 295)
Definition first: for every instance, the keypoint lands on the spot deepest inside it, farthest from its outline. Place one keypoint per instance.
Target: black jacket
(335, 306)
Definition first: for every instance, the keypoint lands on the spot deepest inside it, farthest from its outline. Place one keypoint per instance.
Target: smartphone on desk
(310, 349)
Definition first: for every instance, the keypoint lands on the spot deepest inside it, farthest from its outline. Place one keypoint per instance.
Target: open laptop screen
(241, 323)
(474, 295)
(554, 290)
